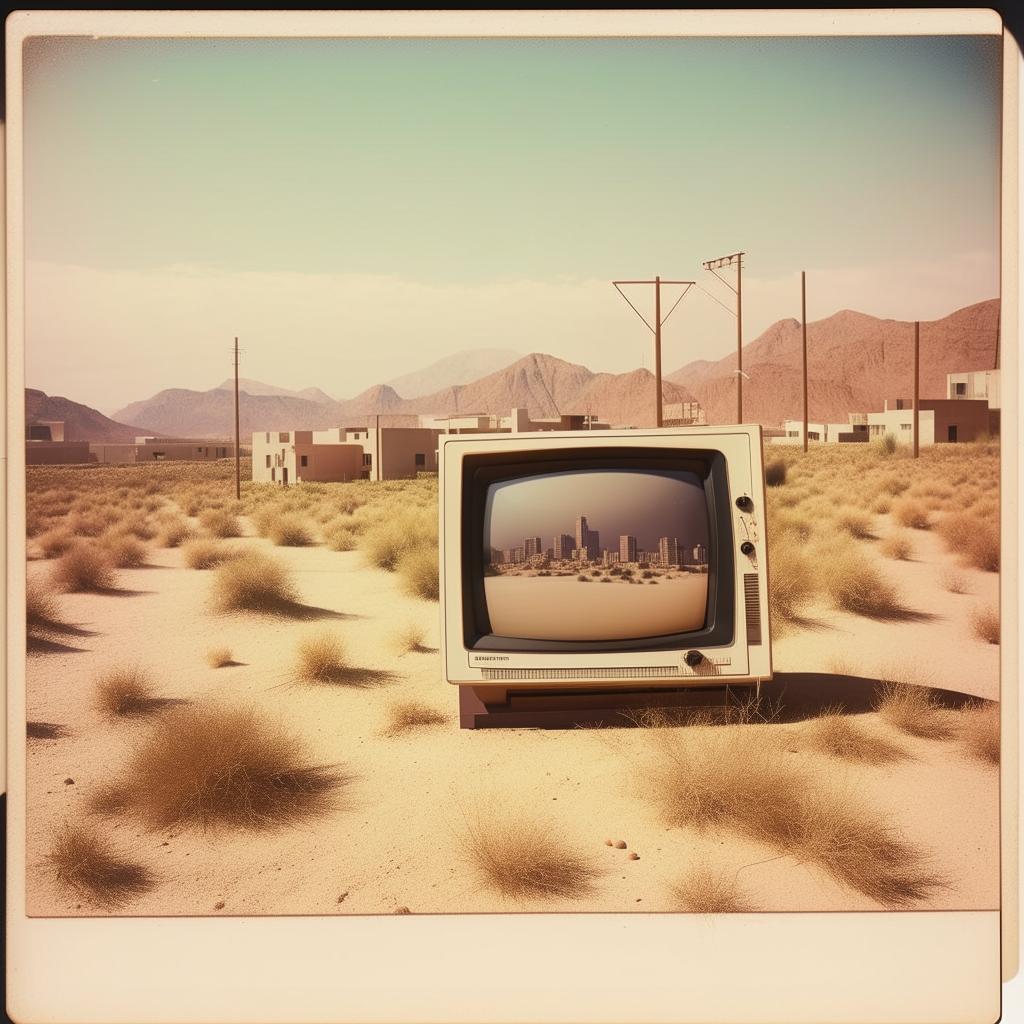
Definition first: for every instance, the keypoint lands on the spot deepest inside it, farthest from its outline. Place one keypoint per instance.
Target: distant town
(583, 550)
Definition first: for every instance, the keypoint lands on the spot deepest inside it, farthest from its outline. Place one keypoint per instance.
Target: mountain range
(81, 423)
(855, 362)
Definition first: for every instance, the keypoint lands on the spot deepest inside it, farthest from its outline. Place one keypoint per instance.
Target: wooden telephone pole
(917, 383)
(238, 453)
(733, 260)
(659, 322)
(803, 327)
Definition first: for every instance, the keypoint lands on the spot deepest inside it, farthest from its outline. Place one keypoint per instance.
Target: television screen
(599, 554)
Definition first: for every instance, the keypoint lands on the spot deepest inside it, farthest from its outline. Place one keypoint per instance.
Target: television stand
(494, 707)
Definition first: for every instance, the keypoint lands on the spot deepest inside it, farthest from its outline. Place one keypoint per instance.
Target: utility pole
(917, 381)
(734, 259)
(803, 327)
(238, 453)
(659, 322)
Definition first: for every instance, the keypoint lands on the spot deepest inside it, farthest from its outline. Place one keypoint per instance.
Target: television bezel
(482, 470)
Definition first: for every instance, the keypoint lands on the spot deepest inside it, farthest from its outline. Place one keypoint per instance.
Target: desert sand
(396, 839)
(565, 608)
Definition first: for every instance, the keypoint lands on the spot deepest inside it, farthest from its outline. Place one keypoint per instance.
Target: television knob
(747, 548)
(693, 658)
(745, 504)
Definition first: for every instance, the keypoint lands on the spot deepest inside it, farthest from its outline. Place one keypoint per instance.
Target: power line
(659, 322)
(733, 259)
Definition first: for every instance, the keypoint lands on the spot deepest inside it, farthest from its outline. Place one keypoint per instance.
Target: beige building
(343, 453)
(683, 414)
(162, 449)
(517, 422)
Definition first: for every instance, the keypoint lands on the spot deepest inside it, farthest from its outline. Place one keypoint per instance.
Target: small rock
(401, 910)
(219, 905)
(69, 782)
(619, 844)
(165, 844)
(634, 856)
(609, 842)
(341, 898)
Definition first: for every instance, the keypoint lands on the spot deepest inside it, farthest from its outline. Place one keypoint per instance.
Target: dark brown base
(567, 709)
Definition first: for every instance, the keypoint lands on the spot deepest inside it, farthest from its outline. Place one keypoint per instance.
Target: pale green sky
(488, 173)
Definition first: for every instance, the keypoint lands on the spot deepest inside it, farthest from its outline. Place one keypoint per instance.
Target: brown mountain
(542, 384)
(546, 386)
(184, 413)
(854, 363)
(81, 423)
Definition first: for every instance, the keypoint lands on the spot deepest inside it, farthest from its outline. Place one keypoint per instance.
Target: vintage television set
(601, 569)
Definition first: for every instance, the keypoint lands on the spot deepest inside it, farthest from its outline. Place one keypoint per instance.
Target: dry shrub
(523, 858)
(219, 522)
(882, 505)
(87, 524)
(55, 542)
(138, 526)
(913, 710)
(86, 864)
(81, 569)
(702, 890)
(793, 582)
(208, 554)
(730, 779)
(219, 657)
(411, 714)
(898, 545)
(855, 585)
(894, 485)
(214, 766)
(253, 582)
(979, 730)
(954, 581)
(956, 530)
(388, 542)
(983, 549)
(321, 658)
(408, 638)
(913, 513)
(838, 735)
(174, 533)
(985, 624)
(338, 536)
(42, 612)
(775, 473)
(290, 531)
(419, 572)
(856, 523)
(124, 550)
(125, 692)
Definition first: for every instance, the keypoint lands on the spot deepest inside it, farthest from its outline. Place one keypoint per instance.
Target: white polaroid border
(865, 967)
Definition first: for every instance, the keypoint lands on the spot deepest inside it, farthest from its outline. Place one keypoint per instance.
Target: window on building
(421, 460)
(268, 462)
(303, 460)
(959, 389)
(906, 426)
(367, 460)
(951, 432)
(813, 435)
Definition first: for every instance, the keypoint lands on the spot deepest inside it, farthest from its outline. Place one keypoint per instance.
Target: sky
(646, 505)
(355, 209)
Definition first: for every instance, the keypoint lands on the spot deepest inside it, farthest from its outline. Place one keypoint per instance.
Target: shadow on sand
(795, 696)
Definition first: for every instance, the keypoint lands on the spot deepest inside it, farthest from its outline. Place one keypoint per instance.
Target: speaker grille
(752, 600)
(629, 672)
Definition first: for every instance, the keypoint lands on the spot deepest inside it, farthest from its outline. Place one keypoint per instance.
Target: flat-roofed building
(340, 454)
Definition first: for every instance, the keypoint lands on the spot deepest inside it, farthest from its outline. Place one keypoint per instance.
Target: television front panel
(604, 559)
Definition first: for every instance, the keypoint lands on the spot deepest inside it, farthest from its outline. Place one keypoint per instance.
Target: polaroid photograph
(510, 516)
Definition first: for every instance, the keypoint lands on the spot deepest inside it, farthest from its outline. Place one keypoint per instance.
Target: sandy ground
(565, 608)
(933, 645)
(396, 839)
